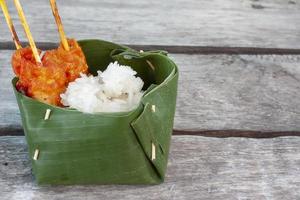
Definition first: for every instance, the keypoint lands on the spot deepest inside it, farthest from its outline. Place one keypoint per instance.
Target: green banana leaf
(106, 148)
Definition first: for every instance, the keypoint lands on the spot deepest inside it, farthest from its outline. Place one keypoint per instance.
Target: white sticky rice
(117, 89)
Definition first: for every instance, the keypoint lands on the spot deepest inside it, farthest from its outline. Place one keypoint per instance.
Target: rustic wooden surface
(216, 92)
(231, 84)
(247, 23)
(199, 168)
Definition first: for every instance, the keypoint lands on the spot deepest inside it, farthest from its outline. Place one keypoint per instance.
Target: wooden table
(239, 84)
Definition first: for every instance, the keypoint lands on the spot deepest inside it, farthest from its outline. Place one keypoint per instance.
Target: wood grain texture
(199, 168)
(246, 23)
(216, 92)
(220, 92)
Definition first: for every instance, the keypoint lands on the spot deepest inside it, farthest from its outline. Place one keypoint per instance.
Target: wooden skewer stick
(10, 24)
(27, 31)
(60, 27)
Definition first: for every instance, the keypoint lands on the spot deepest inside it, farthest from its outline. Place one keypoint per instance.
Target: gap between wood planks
(12, 131)
(180, 49)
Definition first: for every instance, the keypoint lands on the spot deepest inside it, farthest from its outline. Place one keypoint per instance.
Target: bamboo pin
(153, 108)
(153, 151)
(47, 114)
(27, 31)
(10, 24)
(36, 154)
(60, 27)
(151, 65)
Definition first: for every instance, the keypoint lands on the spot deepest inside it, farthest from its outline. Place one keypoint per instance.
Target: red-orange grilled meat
(44, 83)
(47, 81)
(73, 61)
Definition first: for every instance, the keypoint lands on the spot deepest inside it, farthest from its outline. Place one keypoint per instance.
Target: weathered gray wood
(216, 92)
(247, 23)
(199, 168)
(220, 92)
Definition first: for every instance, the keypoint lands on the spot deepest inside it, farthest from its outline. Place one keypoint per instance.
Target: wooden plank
(199, 168)
(221, 92)
(250, 23)
(216, 92)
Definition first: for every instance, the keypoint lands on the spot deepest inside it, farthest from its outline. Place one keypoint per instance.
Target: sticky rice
(117, 89)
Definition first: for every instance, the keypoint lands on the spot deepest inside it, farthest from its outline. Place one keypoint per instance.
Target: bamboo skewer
(27, 31)
(10, 24)
(60, 27)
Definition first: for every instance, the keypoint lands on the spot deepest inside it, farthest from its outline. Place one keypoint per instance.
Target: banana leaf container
(69, 147)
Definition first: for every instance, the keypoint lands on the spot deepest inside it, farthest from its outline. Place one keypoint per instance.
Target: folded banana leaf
(105, 148)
